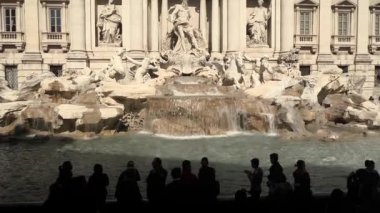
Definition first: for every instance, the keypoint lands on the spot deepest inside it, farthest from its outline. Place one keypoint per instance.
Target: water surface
(27, 169)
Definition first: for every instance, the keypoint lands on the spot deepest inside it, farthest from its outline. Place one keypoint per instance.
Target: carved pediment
(345, 4)
(307, 3)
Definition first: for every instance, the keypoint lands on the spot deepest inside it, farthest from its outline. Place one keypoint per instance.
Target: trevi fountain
(185, 104)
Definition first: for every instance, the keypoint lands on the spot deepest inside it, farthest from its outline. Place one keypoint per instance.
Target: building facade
(59, 35)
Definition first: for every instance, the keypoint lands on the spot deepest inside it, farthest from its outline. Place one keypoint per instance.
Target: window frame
(340, 28)
(49, 17)
(349, 8)
(4, 18)
(307, 7)
(302, 23)
(376, 23)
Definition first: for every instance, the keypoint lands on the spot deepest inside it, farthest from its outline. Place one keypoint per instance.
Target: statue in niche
(257, 26)
(109, 24)
(183, 38)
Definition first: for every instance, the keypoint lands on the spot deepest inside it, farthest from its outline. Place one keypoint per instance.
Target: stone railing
(306, 41)
(374, 43)
(340, 42)
(15, 39)
(55, 39)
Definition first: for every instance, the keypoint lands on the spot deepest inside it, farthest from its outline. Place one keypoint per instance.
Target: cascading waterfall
(195, 115)
(205, 109)
(272, 130)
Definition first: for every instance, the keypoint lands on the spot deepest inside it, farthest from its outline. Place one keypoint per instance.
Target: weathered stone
(70, 111)
(132, 91)
(360, 115)
(9, 112)
(32, 84)
(291, 119)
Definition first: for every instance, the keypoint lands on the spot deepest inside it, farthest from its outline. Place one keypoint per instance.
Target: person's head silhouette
(273, 158)
(204, 162)
(98, 169)
(255, 163)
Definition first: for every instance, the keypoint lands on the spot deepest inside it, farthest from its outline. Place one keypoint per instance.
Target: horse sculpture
(233, 74)
(236, 73)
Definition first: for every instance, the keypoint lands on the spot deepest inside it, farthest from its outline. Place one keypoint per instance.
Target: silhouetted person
(174, 190)
(127, 189)
(279, 189)
(67, 193)
(241, 201)
(336, 202)
(208, 186)
(97, 188)
(302, 192)
(60, 190)
(78, 194)
(190, 183)
(255, 178)
(156, 182)
(301, 180)
(353, 184)
(276, 177)
(368, 183)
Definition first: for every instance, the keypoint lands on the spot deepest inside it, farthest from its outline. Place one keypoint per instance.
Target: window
(377, 76)
(377, 24)
(11, 76)
(344, 68)
(305, 70)
(305, 23)
(344, 24)
(10, 19)
(56, 69)
(55, 20)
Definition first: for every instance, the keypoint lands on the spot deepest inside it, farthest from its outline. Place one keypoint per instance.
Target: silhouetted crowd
(189, 191)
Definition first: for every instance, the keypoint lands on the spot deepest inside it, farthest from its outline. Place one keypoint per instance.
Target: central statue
(180, 16)
(183, 38)
(185, 47)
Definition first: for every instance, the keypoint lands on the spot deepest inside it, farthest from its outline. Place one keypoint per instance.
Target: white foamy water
(27, 169)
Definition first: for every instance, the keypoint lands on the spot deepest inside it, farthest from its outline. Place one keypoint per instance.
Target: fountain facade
(182, 90)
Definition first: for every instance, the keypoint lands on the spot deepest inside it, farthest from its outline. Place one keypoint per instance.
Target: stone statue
(109, 24)
(264, 67)
(257, 25)
(115, 69)
(233, 73)
(184, 37)
(144, 68)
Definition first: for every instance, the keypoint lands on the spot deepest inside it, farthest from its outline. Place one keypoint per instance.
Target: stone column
(63, 17)
(233, 27)
(215, 26)
(325, 27)
(203, 18)
(224, 25)
(287, 25)
(18, 16)
(136, 26)
(243, 24)
(154, 35)
(125, 23)
(164, 20)
(77, 58)
(32, 59)
(363, 59)
(277, 31)
(32, 31)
